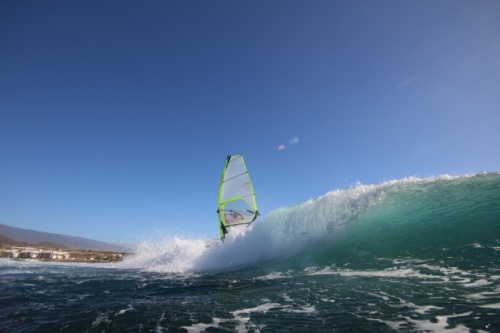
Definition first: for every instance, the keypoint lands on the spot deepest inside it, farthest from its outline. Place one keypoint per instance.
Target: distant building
(28, 253)
(53, 255)
(31, 253)
(12, 253)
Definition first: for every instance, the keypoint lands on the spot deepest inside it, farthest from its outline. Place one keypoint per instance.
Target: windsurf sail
(236, 203)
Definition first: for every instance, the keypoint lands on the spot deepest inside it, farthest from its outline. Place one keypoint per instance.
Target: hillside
(9, 242)
(6, 241)
(47, 239)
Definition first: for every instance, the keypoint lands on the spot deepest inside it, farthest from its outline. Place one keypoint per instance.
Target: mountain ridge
(32, 237)
(9, 242)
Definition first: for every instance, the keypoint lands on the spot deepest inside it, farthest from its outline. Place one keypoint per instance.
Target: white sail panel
(237, 204)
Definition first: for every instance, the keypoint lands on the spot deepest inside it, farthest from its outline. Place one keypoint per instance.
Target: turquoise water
(411, 255)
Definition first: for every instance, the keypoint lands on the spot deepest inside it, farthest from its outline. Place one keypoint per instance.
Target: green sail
(236, 203)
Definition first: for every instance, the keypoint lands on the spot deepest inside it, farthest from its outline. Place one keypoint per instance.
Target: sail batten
(237, 204)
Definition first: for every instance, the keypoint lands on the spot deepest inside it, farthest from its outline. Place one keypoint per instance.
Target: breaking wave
(429, 217)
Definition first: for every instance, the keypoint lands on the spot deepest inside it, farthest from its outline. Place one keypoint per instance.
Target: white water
(283, 233)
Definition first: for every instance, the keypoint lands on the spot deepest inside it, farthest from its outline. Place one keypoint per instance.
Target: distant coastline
(19, 237)
(24, 244)
(61, 255)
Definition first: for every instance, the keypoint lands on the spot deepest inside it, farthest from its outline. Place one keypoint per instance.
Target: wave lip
(430, 217)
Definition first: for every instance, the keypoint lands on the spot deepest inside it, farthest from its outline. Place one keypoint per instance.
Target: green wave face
(433, 218)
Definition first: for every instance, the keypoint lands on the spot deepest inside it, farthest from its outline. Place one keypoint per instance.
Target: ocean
(409, 255)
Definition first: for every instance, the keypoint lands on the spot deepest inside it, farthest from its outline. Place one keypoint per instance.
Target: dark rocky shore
(95, 256)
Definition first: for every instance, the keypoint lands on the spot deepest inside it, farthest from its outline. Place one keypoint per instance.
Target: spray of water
(283, 233)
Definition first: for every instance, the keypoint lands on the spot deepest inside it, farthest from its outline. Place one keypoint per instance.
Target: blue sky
(116, 116)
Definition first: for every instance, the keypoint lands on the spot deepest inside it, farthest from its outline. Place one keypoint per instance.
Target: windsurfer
(234, 216)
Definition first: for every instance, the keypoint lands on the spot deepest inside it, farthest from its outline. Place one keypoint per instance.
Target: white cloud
(292, 141)
(404, 83)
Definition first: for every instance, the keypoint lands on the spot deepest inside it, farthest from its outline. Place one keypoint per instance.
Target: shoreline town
(62, 255)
